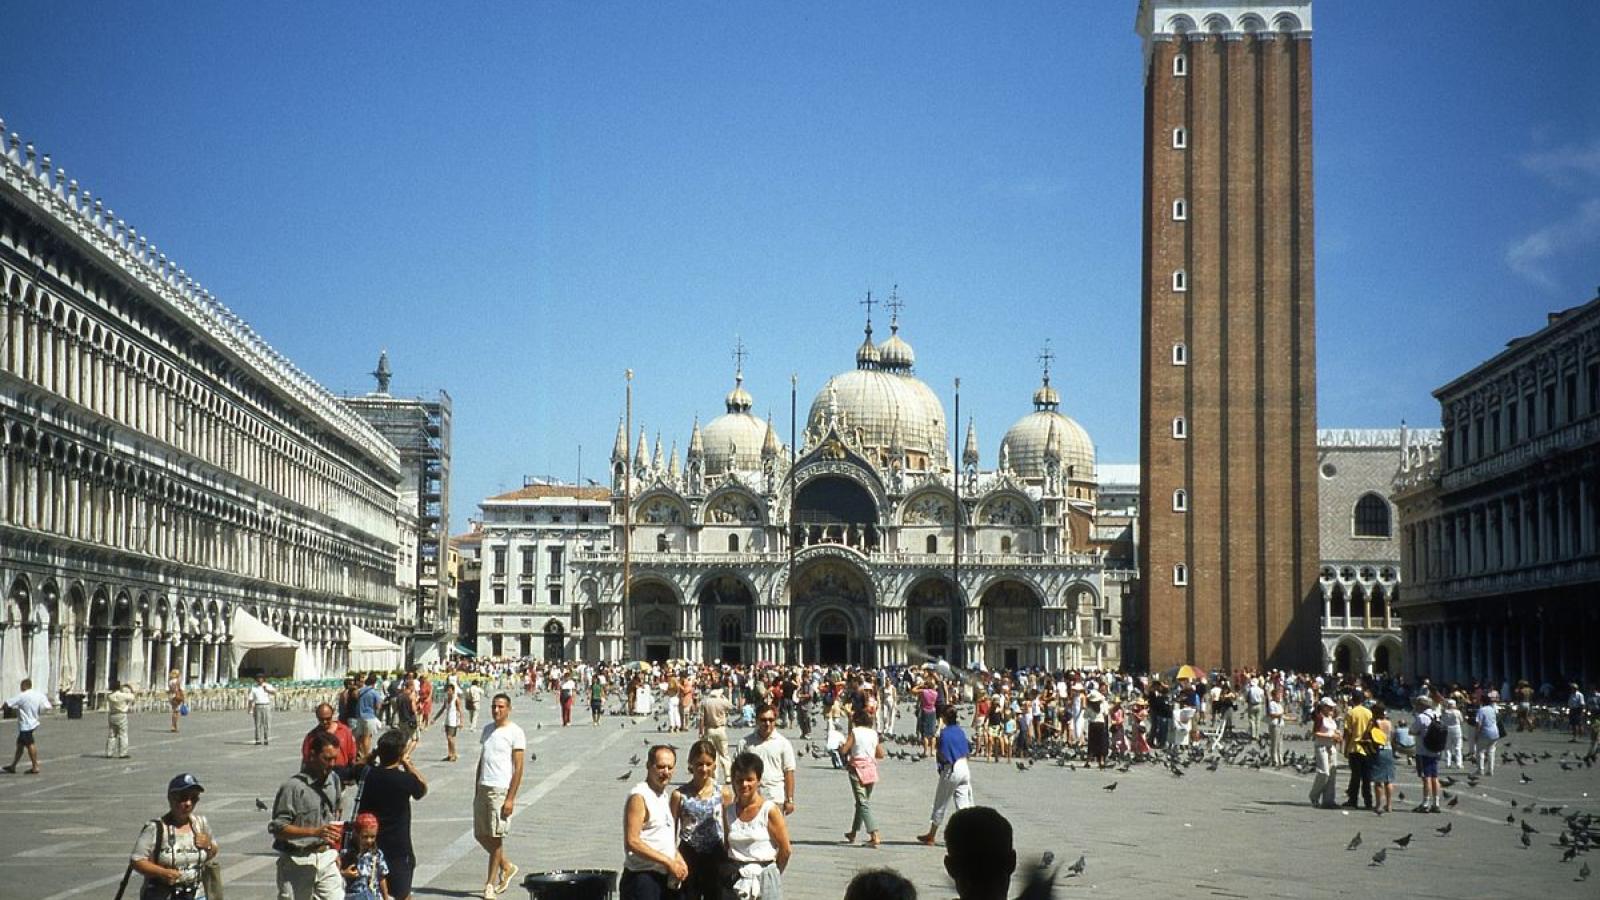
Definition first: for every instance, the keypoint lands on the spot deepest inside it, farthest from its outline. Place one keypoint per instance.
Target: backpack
(1433, 739)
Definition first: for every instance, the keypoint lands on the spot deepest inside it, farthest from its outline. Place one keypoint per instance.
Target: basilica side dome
(1029, 441)
(733, 440)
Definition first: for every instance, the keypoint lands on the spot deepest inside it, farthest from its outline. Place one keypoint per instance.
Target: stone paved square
(1232, 833)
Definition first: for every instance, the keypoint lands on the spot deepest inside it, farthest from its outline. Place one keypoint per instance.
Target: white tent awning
(247, 633)
(368, 652)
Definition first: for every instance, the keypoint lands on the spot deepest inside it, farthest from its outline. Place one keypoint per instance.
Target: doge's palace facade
(161, 466)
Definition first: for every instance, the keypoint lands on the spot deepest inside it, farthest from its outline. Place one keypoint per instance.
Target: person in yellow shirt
(1358, 750)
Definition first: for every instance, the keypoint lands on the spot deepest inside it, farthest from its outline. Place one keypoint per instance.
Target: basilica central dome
(885, 403)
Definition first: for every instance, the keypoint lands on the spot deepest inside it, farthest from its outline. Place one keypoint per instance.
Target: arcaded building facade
(161, 466)
(1362, 573)
(1229, 556)
(869, 544)
(1500, 524)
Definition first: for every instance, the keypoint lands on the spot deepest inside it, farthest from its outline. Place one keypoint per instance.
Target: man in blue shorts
(1427, 760)
(367, 704)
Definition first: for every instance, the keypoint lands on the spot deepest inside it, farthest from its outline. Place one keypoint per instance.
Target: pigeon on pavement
(1380, 856)
(1354, 842)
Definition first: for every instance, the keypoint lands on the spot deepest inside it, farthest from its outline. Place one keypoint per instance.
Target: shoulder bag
(211, 873)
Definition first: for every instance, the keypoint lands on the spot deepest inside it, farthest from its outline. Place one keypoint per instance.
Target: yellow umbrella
(1184, 672)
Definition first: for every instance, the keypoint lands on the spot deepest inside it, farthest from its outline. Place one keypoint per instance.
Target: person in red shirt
(340, 732)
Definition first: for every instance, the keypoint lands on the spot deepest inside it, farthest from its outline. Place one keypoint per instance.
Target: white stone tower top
(1167, 19)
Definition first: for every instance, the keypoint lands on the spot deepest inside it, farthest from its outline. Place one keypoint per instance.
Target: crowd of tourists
(341, 824)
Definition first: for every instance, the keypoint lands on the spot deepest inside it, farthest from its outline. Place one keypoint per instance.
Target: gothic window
(1180, 500)
(1180, 66)
(1005, 543)
(1180, 210)
(933, 543)
(1372, 516)
(1180, 138)
(1180, 354)
(1180, 575)
(733, 543)
(663, 543)
(1180, 427)
(730, 630)
(1180, 281)
(936, 633)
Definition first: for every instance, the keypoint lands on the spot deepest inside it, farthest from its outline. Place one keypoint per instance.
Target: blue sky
(522, 203)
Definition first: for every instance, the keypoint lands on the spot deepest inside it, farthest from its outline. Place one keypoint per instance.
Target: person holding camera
(387, 788)
(173, 851)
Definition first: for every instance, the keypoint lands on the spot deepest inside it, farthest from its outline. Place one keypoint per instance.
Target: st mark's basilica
(867, 544)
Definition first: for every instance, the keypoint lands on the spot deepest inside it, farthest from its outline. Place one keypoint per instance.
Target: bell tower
(1228, 495)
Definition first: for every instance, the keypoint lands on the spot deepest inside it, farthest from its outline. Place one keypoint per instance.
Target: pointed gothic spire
(1052, 443)
(657, 460)
(896, 445)
(619, 449)
(674, 469)
(641, 457)
(769, 446)
(697, 444)
(969, 455)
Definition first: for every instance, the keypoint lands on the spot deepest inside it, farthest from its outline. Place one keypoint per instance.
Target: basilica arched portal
(1012, 625)
(727, 618)
(653, 608)
(933, 619)
(831, 613)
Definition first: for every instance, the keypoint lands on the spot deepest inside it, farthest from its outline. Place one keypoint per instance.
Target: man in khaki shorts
(714, 711)
(499, 776)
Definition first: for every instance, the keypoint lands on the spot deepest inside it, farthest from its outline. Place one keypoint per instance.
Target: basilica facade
(866, 544)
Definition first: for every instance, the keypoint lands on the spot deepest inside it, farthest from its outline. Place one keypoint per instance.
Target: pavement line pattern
(466, 842)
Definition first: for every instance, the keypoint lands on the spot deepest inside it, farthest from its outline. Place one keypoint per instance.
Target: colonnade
(1540, 651)
(1527, 526)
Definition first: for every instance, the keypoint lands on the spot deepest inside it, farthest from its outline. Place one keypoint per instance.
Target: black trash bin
(578, 884)
(73, 703)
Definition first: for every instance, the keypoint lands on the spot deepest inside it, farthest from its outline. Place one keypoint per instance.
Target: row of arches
(833, 616)
(90, 637)
(834, 500)
(69, 488)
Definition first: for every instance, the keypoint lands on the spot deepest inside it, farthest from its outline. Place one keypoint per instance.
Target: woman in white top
(862, 749)
(757, 835)
(453, 713)
(674, 705)
(642, 700)
(1327, 737)
(1453, 721)
(1183, 722)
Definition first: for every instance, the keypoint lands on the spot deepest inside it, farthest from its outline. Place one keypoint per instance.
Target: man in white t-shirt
(28, 705)
(259, 701)
(777, 758)
(499, 776)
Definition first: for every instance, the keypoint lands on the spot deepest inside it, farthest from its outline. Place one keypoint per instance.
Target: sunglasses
(766, 720)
